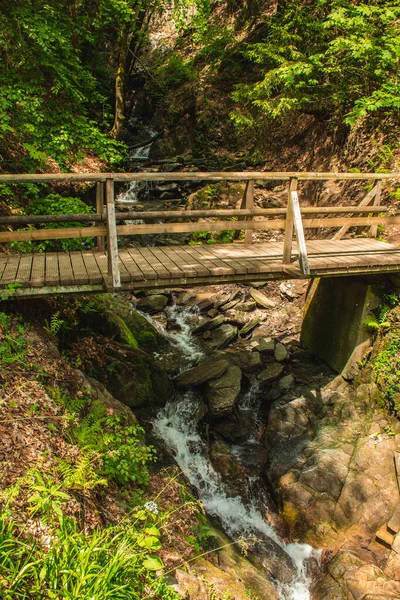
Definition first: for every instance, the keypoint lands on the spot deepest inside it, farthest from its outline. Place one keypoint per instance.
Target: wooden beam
(114, 275)
(192, 176)
(301, 242)
(51, 234)
(373, 232)
(171, 228)
(353, 222)
(33, 219)
(249, 204)
(287, 246)
(100, 241)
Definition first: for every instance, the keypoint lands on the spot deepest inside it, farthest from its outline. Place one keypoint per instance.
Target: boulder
(247, 361)
(271, 372)
(152, 304)
(280, 352)
(222, 336)
(261, 299)
(209, 324)
(131, 376)
(115, 318)
(237, 427)
(210, 369)
(221, 393)
(230, 304)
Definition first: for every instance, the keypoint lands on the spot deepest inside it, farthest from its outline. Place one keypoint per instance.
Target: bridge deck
(162, 266)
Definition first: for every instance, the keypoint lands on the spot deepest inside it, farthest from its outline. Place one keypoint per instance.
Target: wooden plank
(249, 204)
(170, 228)
(24, 270)
(373, 232)
(238, 212)
(146, 269)
(125, 274)
(192, 176)
(230, 258)
(180, 260)
(301, 242)
(65, 267)
(52, 276)
(102, 263)
(289, 225)
(198, 255)
(196, 265)
(3, 263)
(51, 234)
(112, 240)
(100, 241)
(37, 273)
(92, 268)
(154, 264)
(10, 271)
(78, 267)
(173, 267)
(130, 265)
(222, 267)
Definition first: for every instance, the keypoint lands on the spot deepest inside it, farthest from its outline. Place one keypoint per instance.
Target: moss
(290, 516)
(115, 318)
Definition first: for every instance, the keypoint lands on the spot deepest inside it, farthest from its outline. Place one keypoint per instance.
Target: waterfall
(176, 426)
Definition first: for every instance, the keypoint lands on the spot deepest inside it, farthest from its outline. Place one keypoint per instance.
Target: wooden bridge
(107, 267)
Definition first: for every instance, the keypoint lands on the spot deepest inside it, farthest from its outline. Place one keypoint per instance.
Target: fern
(81, 476)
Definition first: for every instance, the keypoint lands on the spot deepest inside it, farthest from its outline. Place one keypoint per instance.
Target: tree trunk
(118, 127)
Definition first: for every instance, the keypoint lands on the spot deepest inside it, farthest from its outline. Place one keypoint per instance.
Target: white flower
(152, 507)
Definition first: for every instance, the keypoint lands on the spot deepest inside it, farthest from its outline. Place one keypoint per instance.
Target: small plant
(55, 325)
(82, 476)
(47, 497)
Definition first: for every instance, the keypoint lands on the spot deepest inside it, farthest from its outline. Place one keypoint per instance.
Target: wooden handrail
(182, 214)
(192, 176)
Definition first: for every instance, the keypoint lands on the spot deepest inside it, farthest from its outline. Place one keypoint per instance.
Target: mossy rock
(132, 377)
(114, 318)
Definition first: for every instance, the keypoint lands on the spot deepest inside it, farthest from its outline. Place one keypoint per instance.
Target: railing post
(100, 241)
(298, 225)
(287, 246)
(373, 232)
(249, 203)
(112, 241)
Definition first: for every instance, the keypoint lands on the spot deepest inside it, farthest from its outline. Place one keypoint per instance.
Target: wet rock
(222, 336)
(279, 388)
(247, 361)
(271, 372)
(228, 466)
(221, 393)
(250, 325)
(262, 344)
(210, 369)
(280, 352)
(261, 299)
(209, 324)
(152, 304)
(237, 427)
(274, 560)
(212, 313)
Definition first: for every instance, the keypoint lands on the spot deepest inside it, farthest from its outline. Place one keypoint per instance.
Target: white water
(176, 425)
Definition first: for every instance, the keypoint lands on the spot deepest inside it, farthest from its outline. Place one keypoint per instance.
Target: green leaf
(153, 563)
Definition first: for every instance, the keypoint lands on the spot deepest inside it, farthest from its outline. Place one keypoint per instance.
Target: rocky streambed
(279, 448)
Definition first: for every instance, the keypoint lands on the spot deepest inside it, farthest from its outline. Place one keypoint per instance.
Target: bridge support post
(287, 246)
(249, 203)
(114, 276)
(373, 232)
(100, 241)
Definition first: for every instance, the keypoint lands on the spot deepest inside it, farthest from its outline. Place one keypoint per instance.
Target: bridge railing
(293, 218)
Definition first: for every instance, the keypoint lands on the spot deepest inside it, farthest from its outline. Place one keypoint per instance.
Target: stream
(178, 429)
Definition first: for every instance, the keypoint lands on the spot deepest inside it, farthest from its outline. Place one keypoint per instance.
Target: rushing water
(176, 425)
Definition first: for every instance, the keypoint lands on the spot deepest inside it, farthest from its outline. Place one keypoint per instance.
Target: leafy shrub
(55, 204)
(12, 342)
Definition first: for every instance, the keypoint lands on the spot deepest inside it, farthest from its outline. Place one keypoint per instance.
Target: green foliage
(81, 476)
(55, 325)
(46, 498)
(55, 204)
(117, 563)
(177, 71)
(121, 454)
(12, 341)
(386, 369)
(328, 56)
